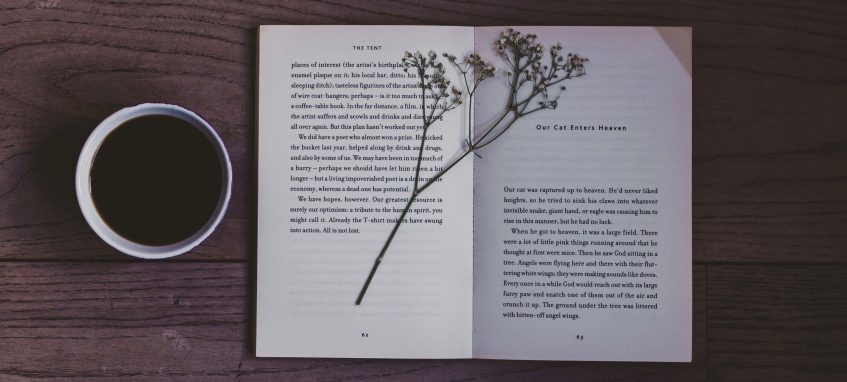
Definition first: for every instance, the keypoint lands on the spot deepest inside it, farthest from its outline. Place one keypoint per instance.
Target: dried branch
(530, 82)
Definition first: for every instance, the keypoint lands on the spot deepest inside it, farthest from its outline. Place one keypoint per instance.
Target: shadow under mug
(83, 181)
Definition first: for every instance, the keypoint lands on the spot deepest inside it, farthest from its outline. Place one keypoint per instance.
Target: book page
(583, 213)
(338, 139)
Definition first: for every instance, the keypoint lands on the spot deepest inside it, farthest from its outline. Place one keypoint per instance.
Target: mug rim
(83, 181)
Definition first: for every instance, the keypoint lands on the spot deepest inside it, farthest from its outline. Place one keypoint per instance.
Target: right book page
(582, 213)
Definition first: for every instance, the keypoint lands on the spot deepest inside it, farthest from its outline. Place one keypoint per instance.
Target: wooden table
(770, 189)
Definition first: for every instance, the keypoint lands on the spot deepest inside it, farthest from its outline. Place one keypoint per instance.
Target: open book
(567, 238)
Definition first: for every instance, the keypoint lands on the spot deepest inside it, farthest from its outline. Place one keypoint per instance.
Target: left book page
(337, 137)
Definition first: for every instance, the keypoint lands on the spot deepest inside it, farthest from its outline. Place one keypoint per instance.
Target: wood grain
(136, 321)
(777, 322)
(770, 80)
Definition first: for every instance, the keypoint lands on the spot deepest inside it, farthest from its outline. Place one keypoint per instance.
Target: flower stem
(524, 57)
(425, 125)
(412, 199)
(384, 249)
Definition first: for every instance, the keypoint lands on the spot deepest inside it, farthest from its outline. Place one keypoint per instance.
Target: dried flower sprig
(479, 70)
(528, 73)
(432, 79)
(531, 82)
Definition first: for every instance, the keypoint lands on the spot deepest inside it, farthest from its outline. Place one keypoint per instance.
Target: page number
(579, 337)
(364, 335)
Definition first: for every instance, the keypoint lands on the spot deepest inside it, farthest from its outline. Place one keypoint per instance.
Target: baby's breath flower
(523, 55)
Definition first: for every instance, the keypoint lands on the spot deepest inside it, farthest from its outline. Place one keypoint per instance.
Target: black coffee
(156, 180)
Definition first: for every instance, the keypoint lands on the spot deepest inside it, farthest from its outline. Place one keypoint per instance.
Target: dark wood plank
(770, 167)
(178, 321)
(777, 322)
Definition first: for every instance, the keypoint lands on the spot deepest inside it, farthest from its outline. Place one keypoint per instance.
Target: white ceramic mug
(83, 184)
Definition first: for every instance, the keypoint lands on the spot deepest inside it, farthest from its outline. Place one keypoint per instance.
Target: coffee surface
(156, 180)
